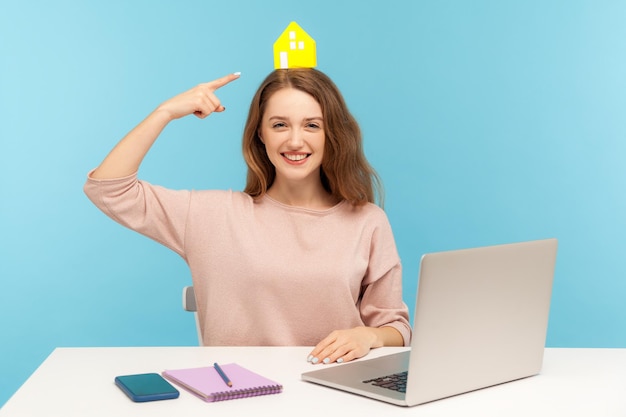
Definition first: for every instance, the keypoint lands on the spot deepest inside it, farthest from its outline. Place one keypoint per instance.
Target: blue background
(489, 122)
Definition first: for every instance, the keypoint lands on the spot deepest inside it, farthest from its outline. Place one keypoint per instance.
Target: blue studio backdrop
(488, 121)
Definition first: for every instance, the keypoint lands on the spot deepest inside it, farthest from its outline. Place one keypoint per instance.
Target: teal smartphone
(146, 387)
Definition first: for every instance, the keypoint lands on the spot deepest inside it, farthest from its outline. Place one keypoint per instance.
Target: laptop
(481, 318)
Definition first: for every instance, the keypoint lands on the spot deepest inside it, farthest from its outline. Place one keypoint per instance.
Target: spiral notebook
(208, 385)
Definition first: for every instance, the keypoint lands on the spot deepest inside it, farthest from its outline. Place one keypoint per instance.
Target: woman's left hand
(345, 345)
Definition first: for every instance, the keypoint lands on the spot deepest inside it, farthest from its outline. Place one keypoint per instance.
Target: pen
(222, 374)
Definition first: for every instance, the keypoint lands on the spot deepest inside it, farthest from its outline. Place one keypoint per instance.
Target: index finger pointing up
(221, 82)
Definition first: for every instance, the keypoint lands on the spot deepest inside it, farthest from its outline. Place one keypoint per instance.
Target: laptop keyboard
(396, 382)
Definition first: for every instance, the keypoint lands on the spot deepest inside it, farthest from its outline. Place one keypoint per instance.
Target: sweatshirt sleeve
(156, 212)
(381, 301)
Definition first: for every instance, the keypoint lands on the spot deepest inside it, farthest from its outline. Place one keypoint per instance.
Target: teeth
(298, 157)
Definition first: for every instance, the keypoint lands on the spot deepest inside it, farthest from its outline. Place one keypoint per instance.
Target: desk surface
(79, 382)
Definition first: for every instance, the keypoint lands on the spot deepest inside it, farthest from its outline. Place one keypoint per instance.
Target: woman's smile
(296, 158)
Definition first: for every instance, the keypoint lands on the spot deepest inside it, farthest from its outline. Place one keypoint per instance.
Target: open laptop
(481, 319)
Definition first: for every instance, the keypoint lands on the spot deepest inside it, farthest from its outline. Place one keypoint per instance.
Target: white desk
(79, 382)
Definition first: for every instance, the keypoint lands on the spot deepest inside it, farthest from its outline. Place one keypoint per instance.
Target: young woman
(302, 256)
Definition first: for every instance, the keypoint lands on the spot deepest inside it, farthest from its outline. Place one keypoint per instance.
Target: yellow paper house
(294, 49)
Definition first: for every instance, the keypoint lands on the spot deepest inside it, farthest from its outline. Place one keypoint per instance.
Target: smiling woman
(303, 256)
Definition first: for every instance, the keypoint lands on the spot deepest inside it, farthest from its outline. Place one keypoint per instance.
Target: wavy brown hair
(345, 172)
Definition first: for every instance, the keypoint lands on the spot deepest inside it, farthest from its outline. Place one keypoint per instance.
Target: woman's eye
(313, 126)
(278, 125)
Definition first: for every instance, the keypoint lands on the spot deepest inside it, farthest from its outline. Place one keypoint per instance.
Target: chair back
(189, 304)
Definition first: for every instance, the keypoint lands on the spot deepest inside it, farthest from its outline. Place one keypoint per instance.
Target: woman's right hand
(127, 155)
(199, 101)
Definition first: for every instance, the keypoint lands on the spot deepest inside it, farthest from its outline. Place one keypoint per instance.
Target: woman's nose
(296, 139)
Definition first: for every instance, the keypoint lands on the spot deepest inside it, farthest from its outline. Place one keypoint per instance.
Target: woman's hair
(345, 172)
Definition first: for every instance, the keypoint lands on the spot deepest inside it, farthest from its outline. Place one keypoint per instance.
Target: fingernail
(315, 360)
(237, 73)
(326, 360)
(340, 360)
(310, 358)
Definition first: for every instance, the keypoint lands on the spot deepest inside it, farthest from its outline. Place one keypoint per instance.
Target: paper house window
(294, 49)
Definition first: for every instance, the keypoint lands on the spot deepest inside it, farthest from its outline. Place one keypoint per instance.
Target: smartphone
(146, 387)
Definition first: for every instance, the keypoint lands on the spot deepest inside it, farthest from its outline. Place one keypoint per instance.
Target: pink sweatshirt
(266, 273)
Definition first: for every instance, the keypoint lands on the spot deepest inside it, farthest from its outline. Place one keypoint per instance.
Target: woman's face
(292, 129)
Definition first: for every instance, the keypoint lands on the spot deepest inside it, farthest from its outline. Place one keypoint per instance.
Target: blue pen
(222, 374)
